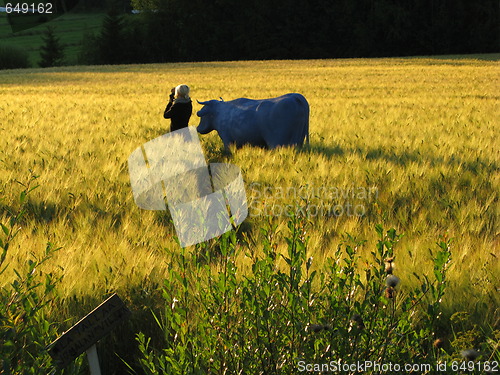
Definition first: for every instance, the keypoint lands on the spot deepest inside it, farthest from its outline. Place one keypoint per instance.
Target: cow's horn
(202, 103)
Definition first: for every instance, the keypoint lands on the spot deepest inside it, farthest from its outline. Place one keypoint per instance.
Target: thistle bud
(389, 265)
(469, 354)
(390, 292)
(392, 281)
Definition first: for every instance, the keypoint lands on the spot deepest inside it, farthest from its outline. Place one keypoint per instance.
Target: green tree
(195, 30)
(52, 51)
(112, 40)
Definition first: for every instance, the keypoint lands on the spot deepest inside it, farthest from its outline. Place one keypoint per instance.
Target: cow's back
(284, 120)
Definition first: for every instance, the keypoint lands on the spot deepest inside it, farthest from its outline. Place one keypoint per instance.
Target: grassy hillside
(70, 28)
(407, 143)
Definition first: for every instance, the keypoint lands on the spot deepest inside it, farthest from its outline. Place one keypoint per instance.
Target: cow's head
(207, 116)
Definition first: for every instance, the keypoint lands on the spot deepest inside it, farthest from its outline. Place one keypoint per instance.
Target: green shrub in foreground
(277, 320)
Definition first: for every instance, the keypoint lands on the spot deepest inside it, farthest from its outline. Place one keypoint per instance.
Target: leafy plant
(25, 327)
(279, 318)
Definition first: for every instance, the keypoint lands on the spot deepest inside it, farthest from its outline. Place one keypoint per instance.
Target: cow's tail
(307, 123)
(307, 132)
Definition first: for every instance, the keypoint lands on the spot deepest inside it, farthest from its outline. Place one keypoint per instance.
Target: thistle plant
(277, 315)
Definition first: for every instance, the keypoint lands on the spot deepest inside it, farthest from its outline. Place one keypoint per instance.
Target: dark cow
(267, 123)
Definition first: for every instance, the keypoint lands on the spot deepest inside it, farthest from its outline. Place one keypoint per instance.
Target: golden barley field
(408, 143)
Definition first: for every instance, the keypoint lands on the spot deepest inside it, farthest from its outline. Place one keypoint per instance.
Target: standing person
(179, 108)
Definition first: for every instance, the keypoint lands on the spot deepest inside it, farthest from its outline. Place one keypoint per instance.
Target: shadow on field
(367, 154)
(327, 151)
(478, 165)
(475, 166)
(40, 212)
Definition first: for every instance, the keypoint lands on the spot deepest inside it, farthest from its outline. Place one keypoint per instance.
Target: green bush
(280, 320)
(13, 57)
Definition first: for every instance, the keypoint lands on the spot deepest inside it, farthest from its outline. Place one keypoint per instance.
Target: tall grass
(271, 320)
(421, 133)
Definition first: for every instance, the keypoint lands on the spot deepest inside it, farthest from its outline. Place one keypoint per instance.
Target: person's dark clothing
(178, 111)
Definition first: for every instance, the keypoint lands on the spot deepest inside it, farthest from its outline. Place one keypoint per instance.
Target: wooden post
(93, 360)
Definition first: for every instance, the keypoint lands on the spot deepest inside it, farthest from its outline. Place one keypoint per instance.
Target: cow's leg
(227, 150)
(271, 145)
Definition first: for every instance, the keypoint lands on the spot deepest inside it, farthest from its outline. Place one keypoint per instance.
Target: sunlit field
(406, 143)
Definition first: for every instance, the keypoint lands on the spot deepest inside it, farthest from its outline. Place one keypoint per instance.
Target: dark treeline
(194, 30)
(107, 5)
